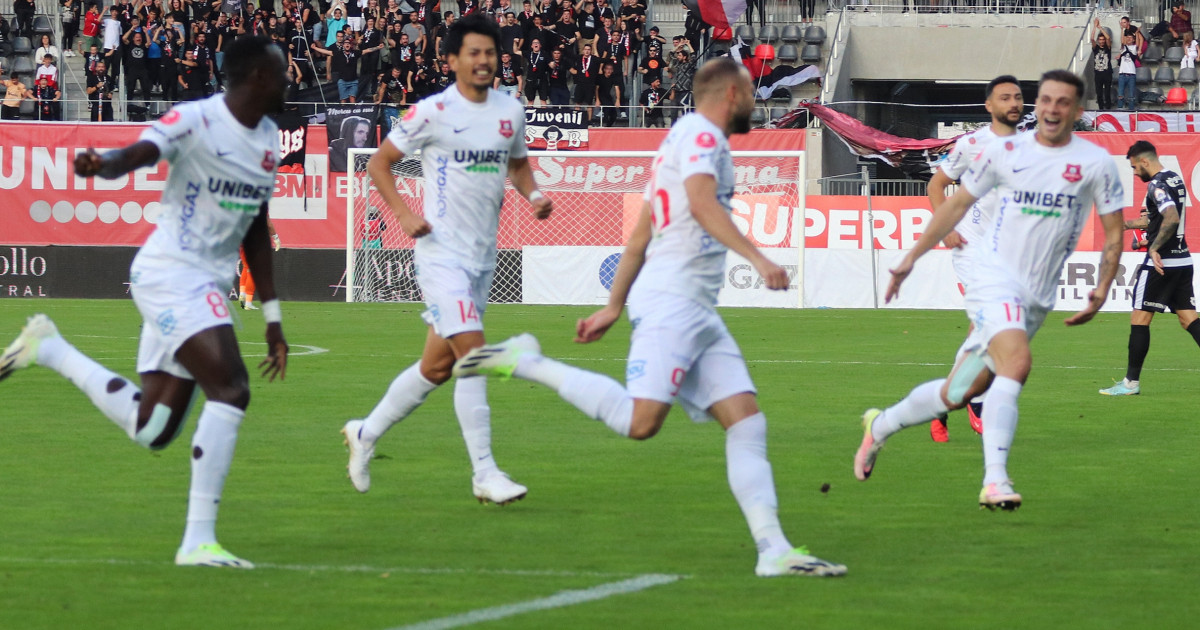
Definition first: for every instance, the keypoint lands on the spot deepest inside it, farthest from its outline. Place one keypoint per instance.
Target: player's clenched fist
(415, 226)
(87, 164)
(542, 207)
(774, 275)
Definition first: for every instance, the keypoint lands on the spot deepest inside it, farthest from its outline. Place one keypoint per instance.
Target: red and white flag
(721, 13)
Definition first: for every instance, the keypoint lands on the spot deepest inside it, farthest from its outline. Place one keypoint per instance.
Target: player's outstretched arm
(1114, 231)
(945, 217)
(594, 327)
(118, 162)
(521, 176)
(379, 167)
(259, 257)
(708, 212)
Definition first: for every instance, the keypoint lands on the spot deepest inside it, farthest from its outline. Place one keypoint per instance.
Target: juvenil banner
(556, 129)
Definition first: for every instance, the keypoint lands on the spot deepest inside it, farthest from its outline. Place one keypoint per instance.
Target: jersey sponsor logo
(1073, 173)
(635, 370)
(706, 140)
(1044, 204)
(506, 129)
(166, 321)
(239, 190)
(185, 216)
(171, 117)
(442, 164)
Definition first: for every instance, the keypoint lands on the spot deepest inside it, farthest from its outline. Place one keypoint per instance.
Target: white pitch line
(558, 600)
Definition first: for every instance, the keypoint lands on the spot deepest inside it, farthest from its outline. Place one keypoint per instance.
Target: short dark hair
(1064, 76)
(245, 55)
(1000, 80)
(1141, 147)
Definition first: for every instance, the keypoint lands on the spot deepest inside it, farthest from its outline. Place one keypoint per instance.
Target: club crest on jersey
(268, 161)
(706, 140)
(171, 117)
(1008, 146)
(506, 128)
(1073, 173)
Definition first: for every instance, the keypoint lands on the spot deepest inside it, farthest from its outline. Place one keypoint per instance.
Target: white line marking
(558, 600)
(307, 350)
(334, 568)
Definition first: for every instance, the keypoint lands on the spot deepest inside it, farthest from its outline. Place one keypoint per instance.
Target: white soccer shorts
(175, 304)
(455, 298)
(994, 309)
(682, 351)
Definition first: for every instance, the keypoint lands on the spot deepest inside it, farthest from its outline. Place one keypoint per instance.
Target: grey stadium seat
(28, 108)
(21, 46)
(1174, 54)
(41, 25)
(1164, 75)
(745, 32)
(23, 65)
(811, 52)
(778, 112)
(1143, 76)
(788, 53)
(790, 34)
(768, 34)
(1188, 76)
(759, 116)
(1154, 53)
(814, 35)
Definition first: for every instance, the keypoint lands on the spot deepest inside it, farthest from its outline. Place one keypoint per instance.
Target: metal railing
(833, 63)
(853, 184)
(965, 6)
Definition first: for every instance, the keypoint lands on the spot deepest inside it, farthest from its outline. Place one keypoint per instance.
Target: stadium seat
(768, 34)
(1143, 76)
(778, 112)
(1164, 75)
(788, 53)
(41, 25)
(1177, 96)
(1174, 54)
(1188, 75)
(21, 46)
(764, 52)
(22, 65)
(28, 108)
(811, 52)
(1154, 53)
(790, 34)
(759, 116)
(814, 35)
(745, 33)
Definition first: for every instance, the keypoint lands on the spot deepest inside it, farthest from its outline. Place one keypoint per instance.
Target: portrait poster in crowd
(350, 127)
(556, 128)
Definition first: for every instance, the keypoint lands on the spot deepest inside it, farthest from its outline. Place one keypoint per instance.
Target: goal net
(571, 257)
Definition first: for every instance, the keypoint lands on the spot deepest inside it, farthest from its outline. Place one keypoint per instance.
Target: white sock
(114, 396)
(212, 454)
(539, 369)
(752, 484)
(598, 396)
(475, 419)
(922, 404)
(405, 394)
(999, 427)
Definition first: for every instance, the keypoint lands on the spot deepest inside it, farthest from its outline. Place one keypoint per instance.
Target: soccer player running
(470, 136)
(1047, 183)
(1004, 101)
(671, 271)
(223, 152)
(1164, 281)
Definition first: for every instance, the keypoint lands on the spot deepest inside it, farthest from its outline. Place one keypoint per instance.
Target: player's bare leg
(1009, 350)
(753, 486)
(213, 359)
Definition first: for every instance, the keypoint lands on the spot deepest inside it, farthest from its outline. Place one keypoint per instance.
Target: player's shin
(212, 454)
(475, 419)
(599, 397)
(752, 483)
(923, 403)
(1139, 347)
(116, 397)
(999, 427)
(405, 394)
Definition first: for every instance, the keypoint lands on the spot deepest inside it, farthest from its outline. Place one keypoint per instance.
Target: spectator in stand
(439, 43)
(608, 94)
(603, 11)
(678, 43)
(25, 10)
(587, 23)
(91, 28)
(420, 79)
(652, 68)
(1139, 40)
(192, 79)
(335, 19)
(625, 48)
(112, 44)
(14, 93)
(565, 29)
(537, 75)
(443, 78)
(48, 97)
(371, 46)
(170, 45)
(538, 32)
(559, 74)
(403, 53)
(202, 56)
(653, 101)
(392, 95)
(1102, 66)
(654, 39)
(354, 16)
(179, 11)
(696, 31)
(416, 32)
(99, 91)
(1127, 75)
(1181, 22)
(47, 69)
(585, 72)
(137, 74)
(682, 70)
(70, 26)
(808, 9)
(1191, 50)
(301, 59)
(512, 35)
(344, 60)
(633, 14)
(91, 58)
(525, 19)
(509, 78)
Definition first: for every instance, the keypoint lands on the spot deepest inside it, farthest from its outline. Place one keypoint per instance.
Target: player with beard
(1165, 280)
(472, 137)
(1004, 101)
(671, 271)
(1047, 183)
(223, 153)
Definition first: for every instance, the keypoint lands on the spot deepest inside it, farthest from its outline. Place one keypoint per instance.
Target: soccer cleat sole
(1008, 505)
(485, 500)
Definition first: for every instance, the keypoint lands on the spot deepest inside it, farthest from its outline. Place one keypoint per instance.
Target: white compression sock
(115, 396)
(405, 394)
(922, 404)
(212, 454)
(752, 483)
(475, 419)
(999, 427)
(597, 396)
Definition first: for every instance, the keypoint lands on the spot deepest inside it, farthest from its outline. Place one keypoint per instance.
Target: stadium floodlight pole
(866, 176)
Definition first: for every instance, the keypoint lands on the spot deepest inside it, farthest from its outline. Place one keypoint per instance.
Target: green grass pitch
(1107, 537)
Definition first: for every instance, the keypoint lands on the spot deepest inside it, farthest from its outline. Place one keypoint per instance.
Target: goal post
(571, 257)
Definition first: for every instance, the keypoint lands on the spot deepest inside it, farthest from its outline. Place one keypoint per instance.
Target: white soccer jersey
(682, 258)
(465, 148)
(1045, 196)
(221, 173)
(975, 222)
